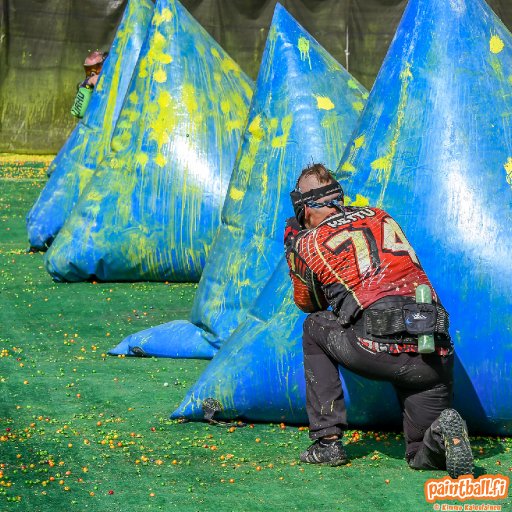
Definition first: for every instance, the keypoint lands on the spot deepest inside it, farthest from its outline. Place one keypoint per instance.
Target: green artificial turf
(82, 431)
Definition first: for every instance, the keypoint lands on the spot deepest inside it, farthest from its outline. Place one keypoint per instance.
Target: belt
(392, 320)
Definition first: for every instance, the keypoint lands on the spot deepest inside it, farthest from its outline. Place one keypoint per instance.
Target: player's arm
(307, 291)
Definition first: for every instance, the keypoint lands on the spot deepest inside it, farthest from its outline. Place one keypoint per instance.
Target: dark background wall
(44, 42)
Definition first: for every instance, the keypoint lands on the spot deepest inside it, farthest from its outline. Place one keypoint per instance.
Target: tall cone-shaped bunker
(90, 140)
(258, 374)
(304, 109)
(434, 148)
(152, 207)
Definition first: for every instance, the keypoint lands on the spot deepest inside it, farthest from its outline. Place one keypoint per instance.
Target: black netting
(44, 42)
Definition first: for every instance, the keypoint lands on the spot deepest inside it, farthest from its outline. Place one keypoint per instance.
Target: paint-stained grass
(83, 431)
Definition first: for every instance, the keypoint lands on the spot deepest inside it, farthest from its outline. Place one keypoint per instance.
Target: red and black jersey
(352, 260)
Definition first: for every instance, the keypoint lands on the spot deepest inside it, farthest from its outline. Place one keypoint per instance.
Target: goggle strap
(318, 193)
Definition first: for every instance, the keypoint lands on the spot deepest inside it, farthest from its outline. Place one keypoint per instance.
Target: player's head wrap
(310, 198)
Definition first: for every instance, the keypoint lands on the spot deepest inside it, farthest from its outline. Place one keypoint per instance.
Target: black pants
(423, 382)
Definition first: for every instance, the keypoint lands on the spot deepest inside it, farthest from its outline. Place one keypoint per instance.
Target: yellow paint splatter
(141, 158)
(236, 194)
(132, 116)
(272, 33)
(160, 76)
(164, 58)
(264, 182)
(230, 65)
(247, 89)
(281, 140)
(324, 103)
(164, 99)
(384, 164)
(200, 49)
(143, 68)
(165, 15)
(122, 140)
(360, 201)
(496, 45)
(94, 195)
(357, 144)
(303, 46)
(255, 128)
(508, 169)
(133, 97)
(84, 177)
(497, 67)
(247, 161)
(189, 98)
(235, 124)
(158, 44)
(160, 160)
(225, 106)
(155, 54)
(215, 52)
(359, 141)
(358, 106)
(163, 118)
(352, 84)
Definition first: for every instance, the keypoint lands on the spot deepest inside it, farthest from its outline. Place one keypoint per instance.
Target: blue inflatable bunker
(73, 167)
(304, 109)
(434, 148)
(152, 207)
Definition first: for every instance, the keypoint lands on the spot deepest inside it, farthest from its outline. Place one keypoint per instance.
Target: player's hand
(93, 80)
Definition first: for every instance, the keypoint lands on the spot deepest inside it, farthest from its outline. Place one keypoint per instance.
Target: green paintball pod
(426, 343)
(82, 99)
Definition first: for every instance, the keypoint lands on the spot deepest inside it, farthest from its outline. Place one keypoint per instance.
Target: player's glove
(292, 229)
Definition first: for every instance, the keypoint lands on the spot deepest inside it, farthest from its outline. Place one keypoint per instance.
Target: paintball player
(93, 65)
(358, 263)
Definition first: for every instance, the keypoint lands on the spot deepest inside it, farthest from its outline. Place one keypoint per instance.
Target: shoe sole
(308, 458)
(459, 457)
(335, 462)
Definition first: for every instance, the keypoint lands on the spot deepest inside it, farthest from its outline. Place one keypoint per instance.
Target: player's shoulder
(350, 215)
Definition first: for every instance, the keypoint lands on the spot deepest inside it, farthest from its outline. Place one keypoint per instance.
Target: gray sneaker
(331, 454)
(459, 457)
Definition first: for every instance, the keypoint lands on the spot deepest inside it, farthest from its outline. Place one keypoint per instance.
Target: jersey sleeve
(307, 291)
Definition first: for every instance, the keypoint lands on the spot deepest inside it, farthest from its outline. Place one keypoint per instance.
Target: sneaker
(331, 454)
(459, 457)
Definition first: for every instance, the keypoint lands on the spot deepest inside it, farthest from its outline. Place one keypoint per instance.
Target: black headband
(300, 200)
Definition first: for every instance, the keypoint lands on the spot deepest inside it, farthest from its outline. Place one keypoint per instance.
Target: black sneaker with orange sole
(459, 457)
(330, 454)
